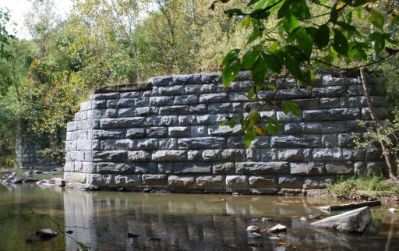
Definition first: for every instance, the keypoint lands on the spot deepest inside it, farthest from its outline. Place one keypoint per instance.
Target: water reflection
(103, 220)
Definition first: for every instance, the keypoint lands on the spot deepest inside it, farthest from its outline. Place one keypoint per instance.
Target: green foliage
(294, 38)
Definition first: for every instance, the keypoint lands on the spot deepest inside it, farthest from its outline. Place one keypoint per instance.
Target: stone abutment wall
(167, 134)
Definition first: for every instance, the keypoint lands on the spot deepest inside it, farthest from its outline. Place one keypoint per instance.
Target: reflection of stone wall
(166, 134)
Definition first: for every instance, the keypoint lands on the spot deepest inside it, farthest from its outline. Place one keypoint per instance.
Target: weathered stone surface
(175, 126)
(201, 143)
(181, 181)
(262, 181)
(353, 221)
(236, 181)
(216, 181)
(262, 167)
(169, 155)
(308, 168)
(292, 141)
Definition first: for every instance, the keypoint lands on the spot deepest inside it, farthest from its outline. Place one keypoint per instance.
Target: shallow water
(102, 221)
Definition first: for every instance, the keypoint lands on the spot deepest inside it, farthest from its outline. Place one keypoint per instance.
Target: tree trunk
(389, 160)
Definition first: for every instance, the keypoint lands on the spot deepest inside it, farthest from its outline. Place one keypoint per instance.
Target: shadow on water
(104, 220)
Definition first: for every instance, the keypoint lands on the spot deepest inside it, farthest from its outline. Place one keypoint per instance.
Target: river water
(102, 221)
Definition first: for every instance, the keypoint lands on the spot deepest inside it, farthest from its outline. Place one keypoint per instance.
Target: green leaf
(273, 62)
(340, 43)
(231, 66)
(251, 92)
(260, 4)
(377, 19)
(250, 57)
(284, 9)
(334, 13)
(322, 36)
(292, 107)
(259, 69)
(303, 41)
(379, 41)
(249, 136)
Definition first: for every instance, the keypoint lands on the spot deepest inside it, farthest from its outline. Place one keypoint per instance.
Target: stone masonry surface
(167, 134)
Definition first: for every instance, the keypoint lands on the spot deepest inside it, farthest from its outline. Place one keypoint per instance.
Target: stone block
(317, 182)
(169, 155)
(224, 130)
(329, 140)
(145, 144)
(208, 88)
(146, 167)
(213, 97)
(194, 155)
(374, 154)
(108, 134)
(262, 181)
(198, 109)
(201, 143)
(353, 154)
(179, 131)
(126, 103)
(237, 181)
(187, 79)
(186, 100)
(224, 168)
(138, 156)
(114, 168)
(135, 133)
(192, 89)
(275, 167)
(127, 181)
(214, 181)
(121, 122)
(156, 132)
(233, 155)
(187, 120)
(381, 113)
(211, 155)
(376, 168)
(327, 154)
(161, 100)
(171, 90)
(176, 109)
(290, 182)
(110, 156)
(192, 168)
(307, 168)
(155, 180)
(288, 141)
(330, 91)
(290, 154)
(339, 168)
(346, 139)
(167, 144)
(100, 180)
(220, 108)
(101, 96)
(161, 81)
(181, 181)
(336, 114)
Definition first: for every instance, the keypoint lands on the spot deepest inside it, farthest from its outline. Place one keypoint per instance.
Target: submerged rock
(278, 228)
(352, 221)
(46, 234)
(392, 210)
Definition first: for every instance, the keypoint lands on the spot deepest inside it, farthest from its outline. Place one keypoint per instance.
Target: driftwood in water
(350, 206)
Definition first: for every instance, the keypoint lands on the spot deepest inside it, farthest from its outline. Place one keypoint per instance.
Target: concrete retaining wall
(166, 134)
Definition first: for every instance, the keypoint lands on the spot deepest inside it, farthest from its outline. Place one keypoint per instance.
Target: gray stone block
(353, 154)
(208, 88)
(327, 154)
(330, 102)
(187, 79)
(284, 94)
(211, 155)
(194, 155)
(187, 120)
(224, 130)
(108, 134)
(179, 131)
(135, 133)
(171, 90)
(167, 144)
(155, 180)
(331, 114)
(144, 111)
(146, 167)
(234, 97)
(330, 91)
(172, 110)
(181, 181)
(329, 140)
(186, 100)
(126, 103)
(198, 109)
(233, 155)
(114, 168)
(169, 155)
(262, 181)
(156, 132)
(100, 180)
(213, 97)
(127, 181)
(161, 100)
(224, 168)
(101, 96)
(201, 143)
(237, 181)
(193, 89)
(293, 141)
(308, 168)
(191, 168)
(121, 122)
(290, 154)
(290, 182)
(276, 167)
(110, 156)
(220, 108)
(161, 81)
(214, 181)
(138, 156)
(339, 168)
(145, 144)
